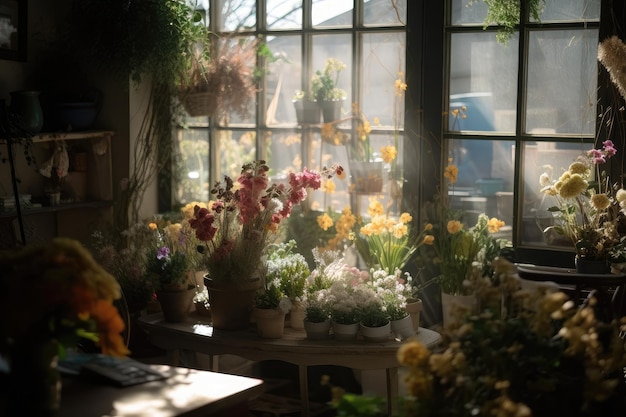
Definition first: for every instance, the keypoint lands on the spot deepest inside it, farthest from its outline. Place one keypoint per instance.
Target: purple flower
(163, 253)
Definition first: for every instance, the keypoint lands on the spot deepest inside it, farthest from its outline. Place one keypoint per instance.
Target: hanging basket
(200, 104)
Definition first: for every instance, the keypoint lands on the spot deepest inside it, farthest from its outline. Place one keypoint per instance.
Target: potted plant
(506, 13)
(271, 305)
(394, 291)
(292, 270)
(374, 321)
(170, 263)
(307, 110)
(324, 89)
(236, 230)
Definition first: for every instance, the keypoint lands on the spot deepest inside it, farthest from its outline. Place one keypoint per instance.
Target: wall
(46, 71)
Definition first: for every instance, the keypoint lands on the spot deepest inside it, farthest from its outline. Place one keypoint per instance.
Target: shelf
(88, 134)
(55, 209)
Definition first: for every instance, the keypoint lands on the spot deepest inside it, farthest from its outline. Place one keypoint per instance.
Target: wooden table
(186, 393)
(198, 335)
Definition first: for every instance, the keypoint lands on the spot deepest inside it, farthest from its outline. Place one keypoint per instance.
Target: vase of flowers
(386, 242)
(374, 322)
(588, 209)
(54, 297)
(237, 228)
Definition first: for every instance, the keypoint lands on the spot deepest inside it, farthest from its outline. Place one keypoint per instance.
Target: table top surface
(186, 392)
(196, 333)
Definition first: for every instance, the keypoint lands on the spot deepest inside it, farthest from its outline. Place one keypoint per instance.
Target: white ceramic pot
(270, 322)
(403, 328)
(317, 330)
(345, 332)
(376, 334)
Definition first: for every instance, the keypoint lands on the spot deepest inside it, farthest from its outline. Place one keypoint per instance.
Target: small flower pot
(403, 328)
(296, 316)
(345, 332)
(270, 322)
(414, 308)
(317, 330)
(376, 334)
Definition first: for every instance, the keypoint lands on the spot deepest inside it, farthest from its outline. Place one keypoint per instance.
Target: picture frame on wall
(13, 21)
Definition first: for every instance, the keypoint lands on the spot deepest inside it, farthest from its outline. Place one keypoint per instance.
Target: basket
(200, 104)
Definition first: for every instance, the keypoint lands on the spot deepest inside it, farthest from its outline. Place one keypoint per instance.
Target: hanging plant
(506, 15)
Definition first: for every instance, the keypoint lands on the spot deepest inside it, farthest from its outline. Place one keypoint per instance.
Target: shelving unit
(86, 192)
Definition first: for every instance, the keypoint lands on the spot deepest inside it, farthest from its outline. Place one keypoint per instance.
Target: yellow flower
(400, 87)
(413, 353)
(578, 168)
(454, 226)
(152, 226)
(325, 221)
(450, 173)
(328, 186)
(572, 186)
(376, 121)
(375, 208)
(494, 225)
(400, 230)
(600, 201)
(620, 195)
(389, 153)
(406, 218)
(428, 227)
(429, 239)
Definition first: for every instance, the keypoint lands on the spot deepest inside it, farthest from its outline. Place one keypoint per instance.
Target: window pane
(570, 10)
(483, 81)
(284, 14)
(562, 68)
(237, 15)
(283, 78)
(383, 61)
(464, 14)
(235, 149)
(193, 169)
(388, 12)
(485, 178)
(329, 13)
(535, 215)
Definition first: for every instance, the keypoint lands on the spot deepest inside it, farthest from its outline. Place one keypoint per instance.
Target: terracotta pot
(270, 322)
(317, 330)
(414, 308)
(176, 305)
(231, 306)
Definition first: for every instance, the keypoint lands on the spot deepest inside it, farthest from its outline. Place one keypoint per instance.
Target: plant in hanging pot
(236, 229)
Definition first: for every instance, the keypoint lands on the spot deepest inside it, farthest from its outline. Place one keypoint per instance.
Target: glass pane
(538, 156)
(570, 10)
(562, 71)
(237, 15)
(485, 179)
(337, 47)
(235, 149)
(284, 14)
(483, 83)
(388, 12)
(283, 78)
(329, 13)
(464, 13)
(192, 167)
(383, 63)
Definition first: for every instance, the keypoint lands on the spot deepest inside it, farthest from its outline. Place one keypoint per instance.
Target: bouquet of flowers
(236, 229)
(56, 291)
(387, 243)
(589, 209)
(552, 359)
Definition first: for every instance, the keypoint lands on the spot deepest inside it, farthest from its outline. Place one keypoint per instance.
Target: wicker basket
(200, 104)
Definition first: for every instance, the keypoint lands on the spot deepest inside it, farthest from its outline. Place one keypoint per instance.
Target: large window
(368, 36)
(528, 105)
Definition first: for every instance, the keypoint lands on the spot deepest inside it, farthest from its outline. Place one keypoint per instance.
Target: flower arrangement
(554, 359)
(393, 290)
(57, 291)
(290, 268)
(236, 229)
(170, 258)
(458, 250)
(386, 242)
(589, 209)
(324, 82)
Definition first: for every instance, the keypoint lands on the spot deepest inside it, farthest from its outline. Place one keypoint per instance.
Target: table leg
(304, 391)
(392, 391)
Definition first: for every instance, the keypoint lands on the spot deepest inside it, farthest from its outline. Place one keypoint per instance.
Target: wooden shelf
(26, 211)
(87, 134)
